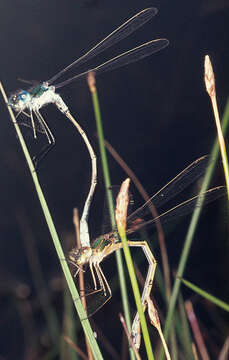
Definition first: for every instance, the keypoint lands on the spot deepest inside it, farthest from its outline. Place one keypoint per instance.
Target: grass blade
(206, 295)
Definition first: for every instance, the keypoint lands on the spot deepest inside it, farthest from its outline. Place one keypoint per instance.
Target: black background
(156, 114)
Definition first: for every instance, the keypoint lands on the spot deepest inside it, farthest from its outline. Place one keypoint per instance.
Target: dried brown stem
(196, 330)
(76, 223)
(129, 337)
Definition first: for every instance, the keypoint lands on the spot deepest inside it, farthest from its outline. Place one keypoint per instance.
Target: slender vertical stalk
(196, 331)
(121, 214)
(211, 90)
(76, 223)
(190, 234)
(119, 261)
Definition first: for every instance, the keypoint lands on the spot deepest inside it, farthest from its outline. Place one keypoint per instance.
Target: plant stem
(119, 261)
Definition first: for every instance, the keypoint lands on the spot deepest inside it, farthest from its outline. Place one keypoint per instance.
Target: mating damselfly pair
(29, 102)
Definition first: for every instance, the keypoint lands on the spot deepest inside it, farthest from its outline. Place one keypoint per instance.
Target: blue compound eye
(22, 95)
(19, 99)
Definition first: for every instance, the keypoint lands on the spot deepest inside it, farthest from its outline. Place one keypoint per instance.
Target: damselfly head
(19, 100)
(80, 256)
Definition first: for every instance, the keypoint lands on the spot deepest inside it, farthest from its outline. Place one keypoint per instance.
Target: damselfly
(108, 243)
(29, 102)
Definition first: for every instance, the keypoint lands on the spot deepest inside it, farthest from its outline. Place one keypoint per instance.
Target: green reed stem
(136, 292)
(110, 201)
(192, 227)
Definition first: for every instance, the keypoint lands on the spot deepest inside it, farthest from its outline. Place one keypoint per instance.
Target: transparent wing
(186, 177)
(182, 209)
(136, 54)
(95, 299)
(117, 35)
